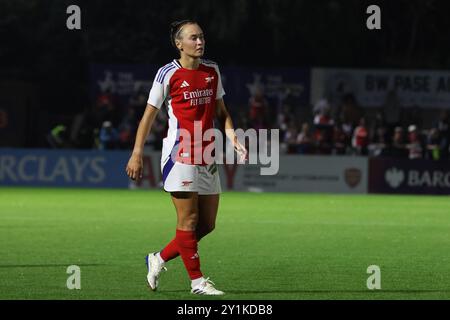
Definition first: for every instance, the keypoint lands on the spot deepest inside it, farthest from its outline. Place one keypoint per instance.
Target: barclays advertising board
(409, 176)
(63, 168)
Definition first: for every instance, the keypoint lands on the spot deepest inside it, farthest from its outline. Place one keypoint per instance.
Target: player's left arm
(224, 118)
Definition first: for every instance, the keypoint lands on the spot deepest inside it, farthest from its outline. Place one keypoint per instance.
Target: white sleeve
(158, 92)
(220, 90)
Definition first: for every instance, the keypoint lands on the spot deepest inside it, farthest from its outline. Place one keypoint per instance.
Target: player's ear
(178, 44)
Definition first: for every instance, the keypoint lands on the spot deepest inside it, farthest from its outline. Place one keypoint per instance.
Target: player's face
(192, 41)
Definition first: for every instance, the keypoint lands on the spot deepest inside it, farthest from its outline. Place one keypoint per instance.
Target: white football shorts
(178, 177)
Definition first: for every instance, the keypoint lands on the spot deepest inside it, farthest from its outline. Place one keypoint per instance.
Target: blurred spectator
(323, 131)
(414, 145)
(339, 140)
(433, 147)
(305, 144)
(378, 122)
(360, 139)
(82, 130)
(108, 137)
(380, 142)
(324, 118)
(347, 130)
(397, 149)
(321, 106)
(105, 109)
(58, 137)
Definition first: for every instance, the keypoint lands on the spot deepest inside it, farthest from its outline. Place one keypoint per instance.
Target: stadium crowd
(347, 129)
(341, 129)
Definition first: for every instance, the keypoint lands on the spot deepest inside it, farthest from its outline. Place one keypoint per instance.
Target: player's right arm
(157, 95)
(135, 164)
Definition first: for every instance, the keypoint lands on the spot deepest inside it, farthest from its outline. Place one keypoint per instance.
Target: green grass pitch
(265, 246)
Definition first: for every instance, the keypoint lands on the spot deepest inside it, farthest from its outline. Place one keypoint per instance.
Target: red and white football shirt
(189, 95)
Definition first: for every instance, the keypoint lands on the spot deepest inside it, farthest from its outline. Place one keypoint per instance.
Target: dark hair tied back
(175, 28)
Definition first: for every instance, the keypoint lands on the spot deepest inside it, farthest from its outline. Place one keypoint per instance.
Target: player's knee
(188, 222)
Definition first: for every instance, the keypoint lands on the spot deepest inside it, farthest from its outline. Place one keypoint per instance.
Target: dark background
(44, 66)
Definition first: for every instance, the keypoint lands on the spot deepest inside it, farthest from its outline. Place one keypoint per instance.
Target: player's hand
(134, 167)
(240, 150)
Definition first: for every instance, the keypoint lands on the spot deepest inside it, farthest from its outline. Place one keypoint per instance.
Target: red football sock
(187, 248)
(170, 251)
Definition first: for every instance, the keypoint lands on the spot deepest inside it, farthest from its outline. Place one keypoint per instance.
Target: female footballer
(191, 89)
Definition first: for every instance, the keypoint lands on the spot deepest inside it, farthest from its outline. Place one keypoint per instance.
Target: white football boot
(154, 267)
(206, 287)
